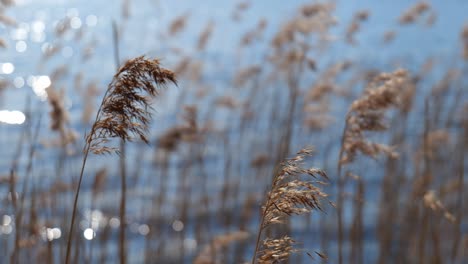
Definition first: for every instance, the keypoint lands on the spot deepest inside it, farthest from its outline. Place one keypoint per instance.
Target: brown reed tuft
(205, 35)
(433, 202)
(58, 114)
(171, 139)
(210, 252)
(367, 114)
(7, 21)
(240, 8)
(123, 113)
(289, 195)
(389, 36)
(414, 13)
(7, 2)
(464, 38)
(178, 24)
(3, 43)
(315, 18)
(355, 25)
(254, 34)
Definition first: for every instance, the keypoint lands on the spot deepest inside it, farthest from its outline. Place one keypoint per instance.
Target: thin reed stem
(122, 157)
(340, 198)
(86, 150)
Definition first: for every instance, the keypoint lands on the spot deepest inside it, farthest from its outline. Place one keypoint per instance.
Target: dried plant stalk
(464, 39)
(123, 113)
(414, 12)
(289, 195)
(208, 253)
(367, 114)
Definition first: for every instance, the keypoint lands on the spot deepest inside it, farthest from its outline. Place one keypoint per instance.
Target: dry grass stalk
(50, 51)
(245, 74)
(178, 24)
(3, 43)
(414, 12)
(289, 195)
(7, 2)
(389, 36)
(368, 113)
(364, 115)
(123, 113)
(126, 10)
(88, 100)
(277, 250)
(62, 27)
(315, 18)
(7, 21)
(355, 25)
(171, 139)
(58, 115)
(240, 8)
(205, 35)
(431, 201)
(209, 253)
(227, 101)
(99, 180)
(431, 19)
(464, 38)
(254, 34)
(317, 102)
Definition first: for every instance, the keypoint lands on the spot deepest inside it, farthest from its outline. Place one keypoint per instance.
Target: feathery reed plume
(431, 201)
(315, 18)
(171, 139)
(62, 26)
(205, 35)
(58, 114)
(389, 36)
(355, 25)
(126, 10)
(7, 2)
(89, 94)
(7, 21)
(431, 19)
(4, 84)
(3, 43)
(414, 12)
(240, 8)
(123, 113)
(254, 34)
(178, 24)
(289, 195)
(246, 74)
(367, 114)
(464, 38)
(316, 104)
(208, 255)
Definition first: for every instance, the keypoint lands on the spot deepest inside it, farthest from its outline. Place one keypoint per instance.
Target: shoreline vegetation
(183, 164)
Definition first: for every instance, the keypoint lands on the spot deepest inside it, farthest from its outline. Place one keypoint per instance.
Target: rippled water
(86, 48)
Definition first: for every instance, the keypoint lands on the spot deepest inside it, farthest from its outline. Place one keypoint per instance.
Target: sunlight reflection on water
(39, 85)
(12, 117)
(7, 68)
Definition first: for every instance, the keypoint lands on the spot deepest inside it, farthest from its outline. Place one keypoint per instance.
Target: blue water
(145, 32)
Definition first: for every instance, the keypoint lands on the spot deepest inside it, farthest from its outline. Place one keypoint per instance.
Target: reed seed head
(125, 111)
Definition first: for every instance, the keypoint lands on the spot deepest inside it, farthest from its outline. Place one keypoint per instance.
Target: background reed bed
(380, 91)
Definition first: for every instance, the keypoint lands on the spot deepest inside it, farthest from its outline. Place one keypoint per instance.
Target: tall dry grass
(219, 148)
(124, 113)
